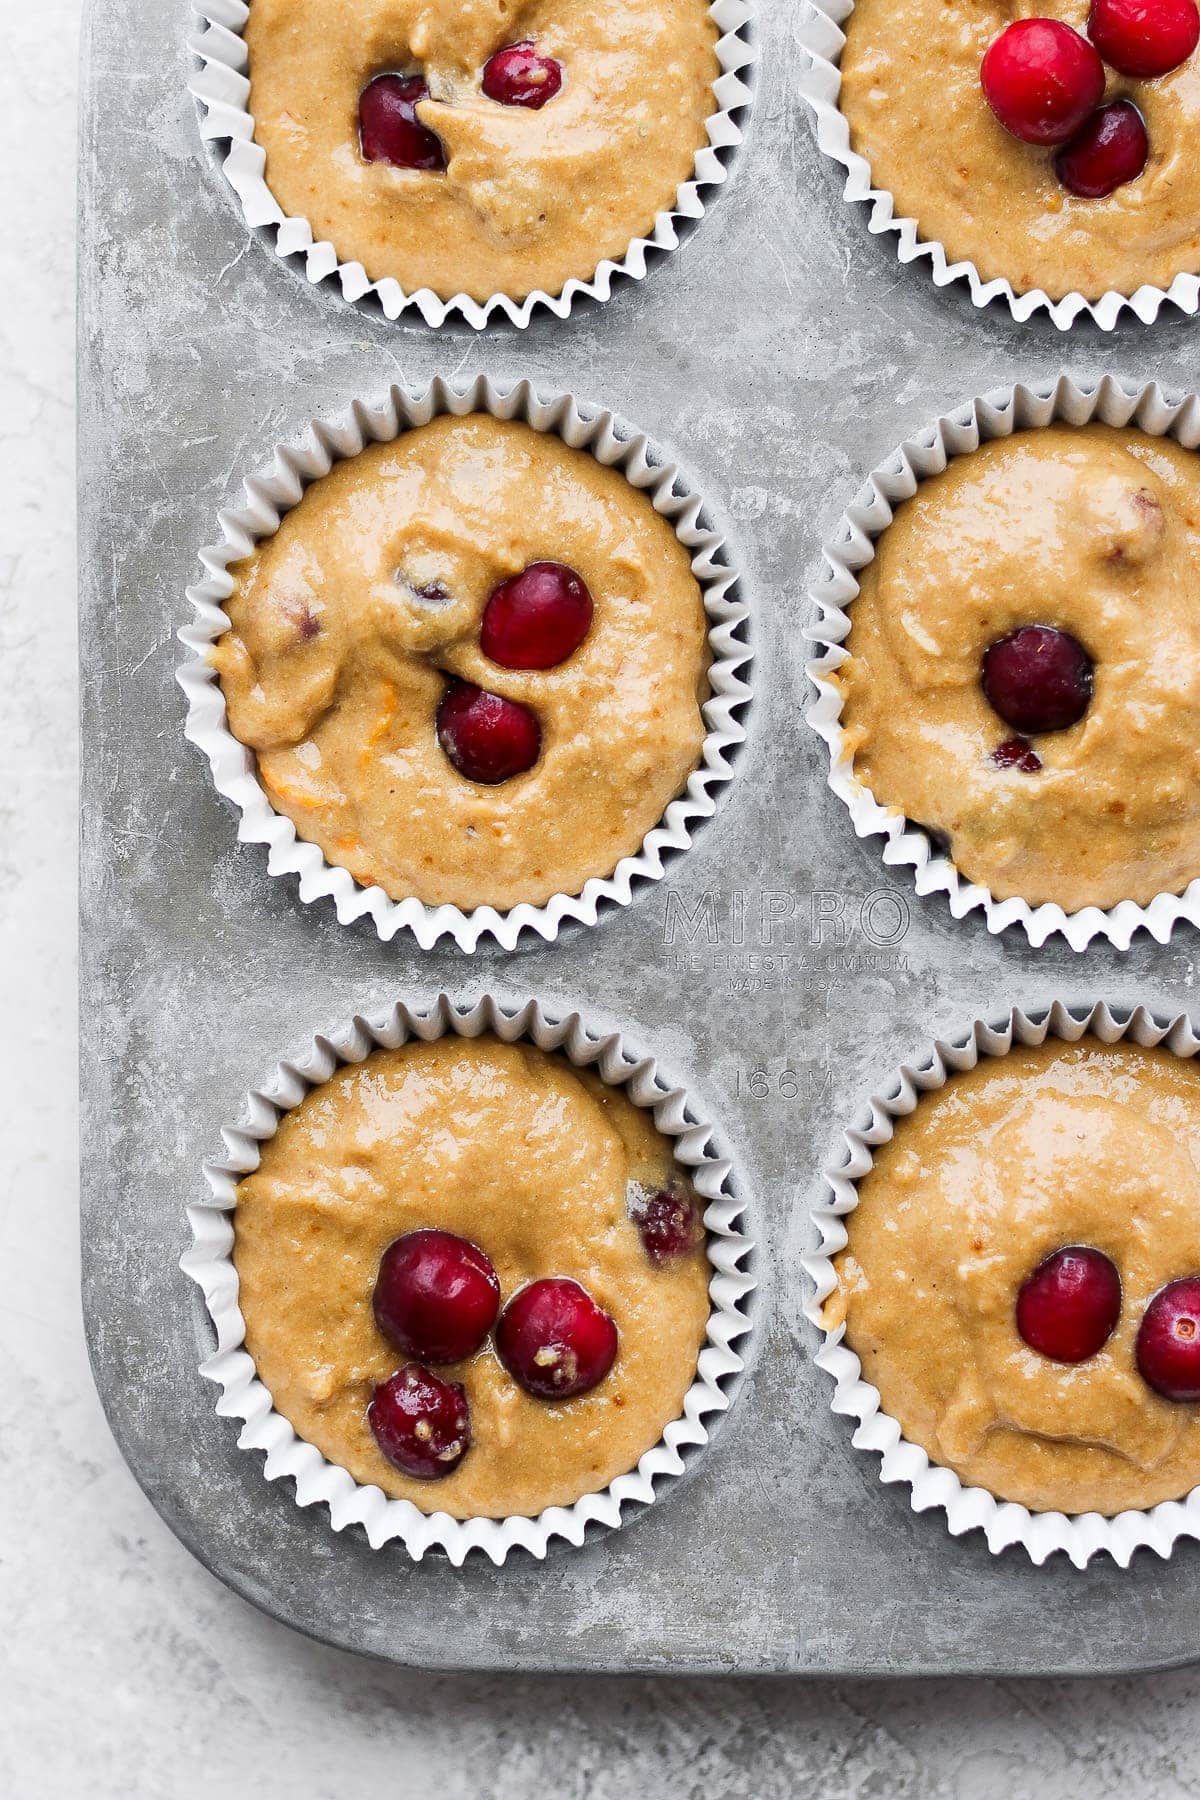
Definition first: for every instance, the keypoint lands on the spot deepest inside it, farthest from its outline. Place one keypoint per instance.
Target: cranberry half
(421, 1423)
(1105, 153)
(1017, 753)
(436, 1296)
(1168, 1341)
(537, 618)
(1144, 38)
(1041, 79)
(518, 76)
(389, 129)
(1038, 678)
(554, 1340)
(669, 1224)
(487, 738)
(1068, 1307)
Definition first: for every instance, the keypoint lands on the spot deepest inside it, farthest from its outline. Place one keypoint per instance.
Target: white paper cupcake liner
(821, 37)
(243, 1396)
(277, 486)
(996, 415)
(932, 1486)
(222, 87)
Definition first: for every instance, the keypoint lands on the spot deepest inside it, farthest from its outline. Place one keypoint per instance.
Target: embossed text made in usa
(778, 919)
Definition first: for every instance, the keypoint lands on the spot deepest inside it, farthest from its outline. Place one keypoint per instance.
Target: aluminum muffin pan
(778, 969)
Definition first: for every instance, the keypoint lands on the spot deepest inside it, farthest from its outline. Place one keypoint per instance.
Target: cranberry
(389, 129)
(537, 618)
(487, 737)
(436, 1296)
(669, 1224)
(1069, 1305)
(1017, 753)
(518, 76)
(421, 1423)
(554, 1340)
(1041, 79)
(1109, 150)
(1038, 678)
(1168, 1341)
(1144, 37)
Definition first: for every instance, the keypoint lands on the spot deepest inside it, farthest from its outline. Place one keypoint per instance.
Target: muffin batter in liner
(821, 37)
(278, 486)
(210, 1264)
(222, 88)
(996, 415)
(931, 1485)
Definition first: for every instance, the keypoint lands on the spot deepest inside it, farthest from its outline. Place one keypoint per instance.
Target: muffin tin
(778, 970)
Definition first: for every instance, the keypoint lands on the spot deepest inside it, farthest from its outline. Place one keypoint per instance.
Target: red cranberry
(537, 618)
(1017, 753)
(421, 1423)
(1144, 37)
(669, 1224)
(1038, 678)
(554, 1340)
(389, 129)
(436, 1296)
(1168, 1341)
(1068, 1307)
(1041, 79)
(518, 76)
(487, 737)
(1109, 150)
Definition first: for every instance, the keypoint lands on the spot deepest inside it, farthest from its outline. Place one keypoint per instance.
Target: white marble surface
(126, 1671)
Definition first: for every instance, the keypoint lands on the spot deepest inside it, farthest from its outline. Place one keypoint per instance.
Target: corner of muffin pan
(699, 1148)
(221, 88)
(932, 1487)
(997, 414)
(278, 485)
(821, 37)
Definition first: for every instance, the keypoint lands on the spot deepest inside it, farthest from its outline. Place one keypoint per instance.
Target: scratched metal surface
(779, 353)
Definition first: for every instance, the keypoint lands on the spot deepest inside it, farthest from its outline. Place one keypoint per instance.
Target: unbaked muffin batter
(335, 664)
(1019, 1157)
(1094, 531)
(529, 198)
(911, 95)
(527, 1157)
